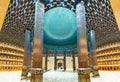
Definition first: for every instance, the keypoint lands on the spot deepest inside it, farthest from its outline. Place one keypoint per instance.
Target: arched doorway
(60, 64)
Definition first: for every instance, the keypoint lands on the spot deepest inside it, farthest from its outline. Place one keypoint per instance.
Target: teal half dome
(60, 27)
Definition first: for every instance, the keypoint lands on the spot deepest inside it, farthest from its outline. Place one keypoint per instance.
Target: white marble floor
(58, 76)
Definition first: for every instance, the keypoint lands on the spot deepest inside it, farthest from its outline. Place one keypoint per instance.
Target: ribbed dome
(60, 27)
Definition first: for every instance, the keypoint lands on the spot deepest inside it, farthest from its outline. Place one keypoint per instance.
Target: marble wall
(69, 63)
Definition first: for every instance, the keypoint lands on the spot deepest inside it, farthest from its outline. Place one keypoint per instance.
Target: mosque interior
(82, 36)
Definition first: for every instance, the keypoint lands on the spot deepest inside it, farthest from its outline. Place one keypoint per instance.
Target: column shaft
(26, 47)
(46, 60)
(93, 47)
(83, 62)
(27, 55)
(89, 54)
(73, 57)
(55, 60)
(82, 41)
(64, 60)
(94, 66)
(36, 71)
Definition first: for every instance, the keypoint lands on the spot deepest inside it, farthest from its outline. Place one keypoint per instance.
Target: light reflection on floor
(53, 76)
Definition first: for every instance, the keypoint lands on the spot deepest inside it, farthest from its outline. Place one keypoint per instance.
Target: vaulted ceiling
(20, 16)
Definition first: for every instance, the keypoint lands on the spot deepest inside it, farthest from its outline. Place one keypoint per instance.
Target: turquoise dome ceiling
(60, 27)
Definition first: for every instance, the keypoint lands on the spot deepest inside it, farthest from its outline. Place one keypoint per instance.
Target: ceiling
(20, 16)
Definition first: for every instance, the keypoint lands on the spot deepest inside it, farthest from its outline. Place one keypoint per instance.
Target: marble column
(73, 57)
(36, 70)
(89, 54)
(27, 55)
(94, 67)
(64, 60)
(31, 48)
(46, 59)
(55, 60)
(83, 62)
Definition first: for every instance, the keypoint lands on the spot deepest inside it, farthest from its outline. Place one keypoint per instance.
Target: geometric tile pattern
(100, 17)
(20, 16)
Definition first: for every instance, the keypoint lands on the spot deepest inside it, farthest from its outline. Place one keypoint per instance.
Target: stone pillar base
(94, 70)
(36, 75)
(25, 71)
(83, 74)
